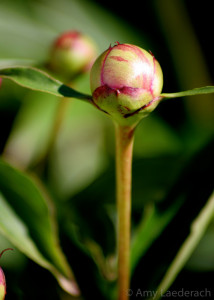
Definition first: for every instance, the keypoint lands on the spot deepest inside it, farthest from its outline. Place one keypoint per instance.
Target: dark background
(180, 35)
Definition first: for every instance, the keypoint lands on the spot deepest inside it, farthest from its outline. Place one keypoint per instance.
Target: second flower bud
(72, 53)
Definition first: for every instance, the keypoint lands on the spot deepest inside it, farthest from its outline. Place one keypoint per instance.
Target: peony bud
(2, 279)
(72, 53)
(126, 82)
(0, 81)
(2, 285)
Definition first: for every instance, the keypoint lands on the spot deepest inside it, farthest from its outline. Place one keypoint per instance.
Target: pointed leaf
(198, 227)
(197, 91)
(13, 228)
(149, 229)
(30, 222)
(192, 189)
(38, 80)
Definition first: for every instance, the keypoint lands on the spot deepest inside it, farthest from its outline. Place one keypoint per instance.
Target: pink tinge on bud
(65, 40)
(125, 77)
(73, 41)
(2, 278)
(2, 285)
(72, 53)
(0, 81)
(125, 65)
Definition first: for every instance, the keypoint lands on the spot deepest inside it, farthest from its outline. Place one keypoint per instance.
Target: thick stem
(124, 149)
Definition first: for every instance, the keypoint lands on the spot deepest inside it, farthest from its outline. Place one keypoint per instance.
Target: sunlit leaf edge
(27, 246)
(35, 79)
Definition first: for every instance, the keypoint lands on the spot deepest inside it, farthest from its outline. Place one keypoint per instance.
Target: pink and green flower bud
(72, 53)
(0, 81)
(2, 285)
(126, 82)
(2, 279)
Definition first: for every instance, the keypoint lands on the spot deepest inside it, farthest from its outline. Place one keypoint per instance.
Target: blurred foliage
(62, 191)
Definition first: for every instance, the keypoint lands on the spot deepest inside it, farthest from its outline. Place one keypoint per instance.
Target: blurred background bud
(71, 54)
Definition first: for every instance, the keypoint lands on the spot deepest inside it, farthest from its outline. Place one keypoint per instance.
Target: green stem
(124, 150)
(59, 117)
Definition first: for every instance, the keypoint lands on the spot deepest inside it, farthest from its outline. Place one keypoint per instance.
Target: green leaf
(33, 126)
(198, 227)
(192, 189)
(81, 133)
(202, 258)
(149, 229)
(27, 220)
(197, 91)
(38, 80)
